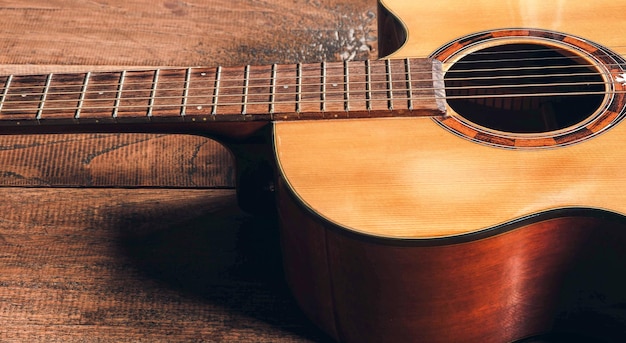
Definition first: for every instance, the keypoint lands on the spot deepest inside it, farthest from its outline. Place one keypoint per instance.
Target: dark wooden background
(137, 237)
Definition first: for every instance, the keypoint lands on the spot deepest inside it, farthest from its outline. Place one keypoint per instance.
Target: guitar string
(16, 89)
(547, 49)
(298, 93)
(24, 91)
(338, 90)
(175, 108)
(305, 85)
(316, 102)
(363, 98)
(320, 84)
(542, 49)
(339, 75)
(317, 68)
(524, 59)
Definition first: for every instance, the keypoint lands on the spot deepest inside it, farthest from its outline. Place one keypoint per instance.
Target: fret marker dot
(100, 93)
(334, 85)
(203, 74)
(199, 107)
(23, 95)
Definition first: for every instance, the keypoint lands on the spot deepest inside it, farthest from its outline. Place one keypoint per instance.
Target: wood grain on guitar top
(419, 181)
(601, 20)
(411, 179)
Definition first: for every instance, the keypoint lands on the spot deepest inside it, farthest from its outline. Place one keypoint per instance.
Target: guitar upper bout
(431, 24)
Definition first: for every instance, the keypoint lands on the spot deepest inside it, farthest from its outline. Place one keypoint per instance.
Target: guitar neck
(407, 87)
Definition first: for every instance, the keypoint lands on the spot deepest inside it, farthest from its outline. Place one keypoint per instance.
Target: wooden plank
(128, 265)
(114, 160)
(189, 33)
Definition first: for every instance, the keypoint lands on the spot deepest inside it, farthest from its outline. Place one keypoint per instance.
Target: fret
(285, 94)
(346, 86)
(62, 97)
(368, 85)
(201, 92)
(23, 98)
(183, 107)
(246, 85)
(231, 90)
(311, 94)
(7, 84)
(216, 90)
(299, 88)
(389, 84)
(273, 90)
(259, 92)
(83, 92)
(409, 83)
(135, 94)
(100, 97)
(44, 94)
(153, 91)
(168, 87)
(323, 90)
(400, 87)
(357, 92)
(118, 96)
(335, 88)
(379, 86)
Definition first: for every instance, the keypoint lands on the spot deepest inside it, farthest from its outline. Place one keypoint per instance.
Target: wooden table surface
(137, 237)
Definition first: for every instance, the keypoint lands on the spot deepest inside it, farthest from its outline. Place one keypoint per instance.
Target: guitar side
(398, 230)
(559, 276)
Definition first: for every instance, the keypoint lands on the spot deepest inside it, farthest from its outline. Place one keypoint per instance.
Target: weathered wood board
(137, 237)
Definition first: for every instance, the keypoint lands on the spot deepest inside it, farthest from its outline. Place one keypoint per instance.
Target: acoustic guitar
(468, 187)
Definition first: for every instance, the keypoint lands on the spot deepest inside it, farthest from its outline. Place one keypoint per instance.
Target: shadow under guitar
(225, 258)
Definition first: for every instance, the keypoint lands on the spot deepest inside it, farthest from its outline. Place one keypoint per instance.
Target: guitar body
(469, 188)
(562, 275)
(466, 227)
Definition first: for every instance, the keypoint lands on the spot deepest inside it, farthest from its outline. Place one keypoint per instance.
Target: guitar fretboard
(402, 87)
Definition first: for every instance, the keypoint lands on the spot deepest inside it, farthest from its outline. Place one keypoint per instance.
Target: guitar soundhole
(524, 88)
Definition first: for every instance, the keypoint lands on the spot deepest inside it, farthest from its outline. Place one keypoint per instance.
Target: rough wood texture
(121, 160)
(185, 33)
(176, 261)
(117, 265)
